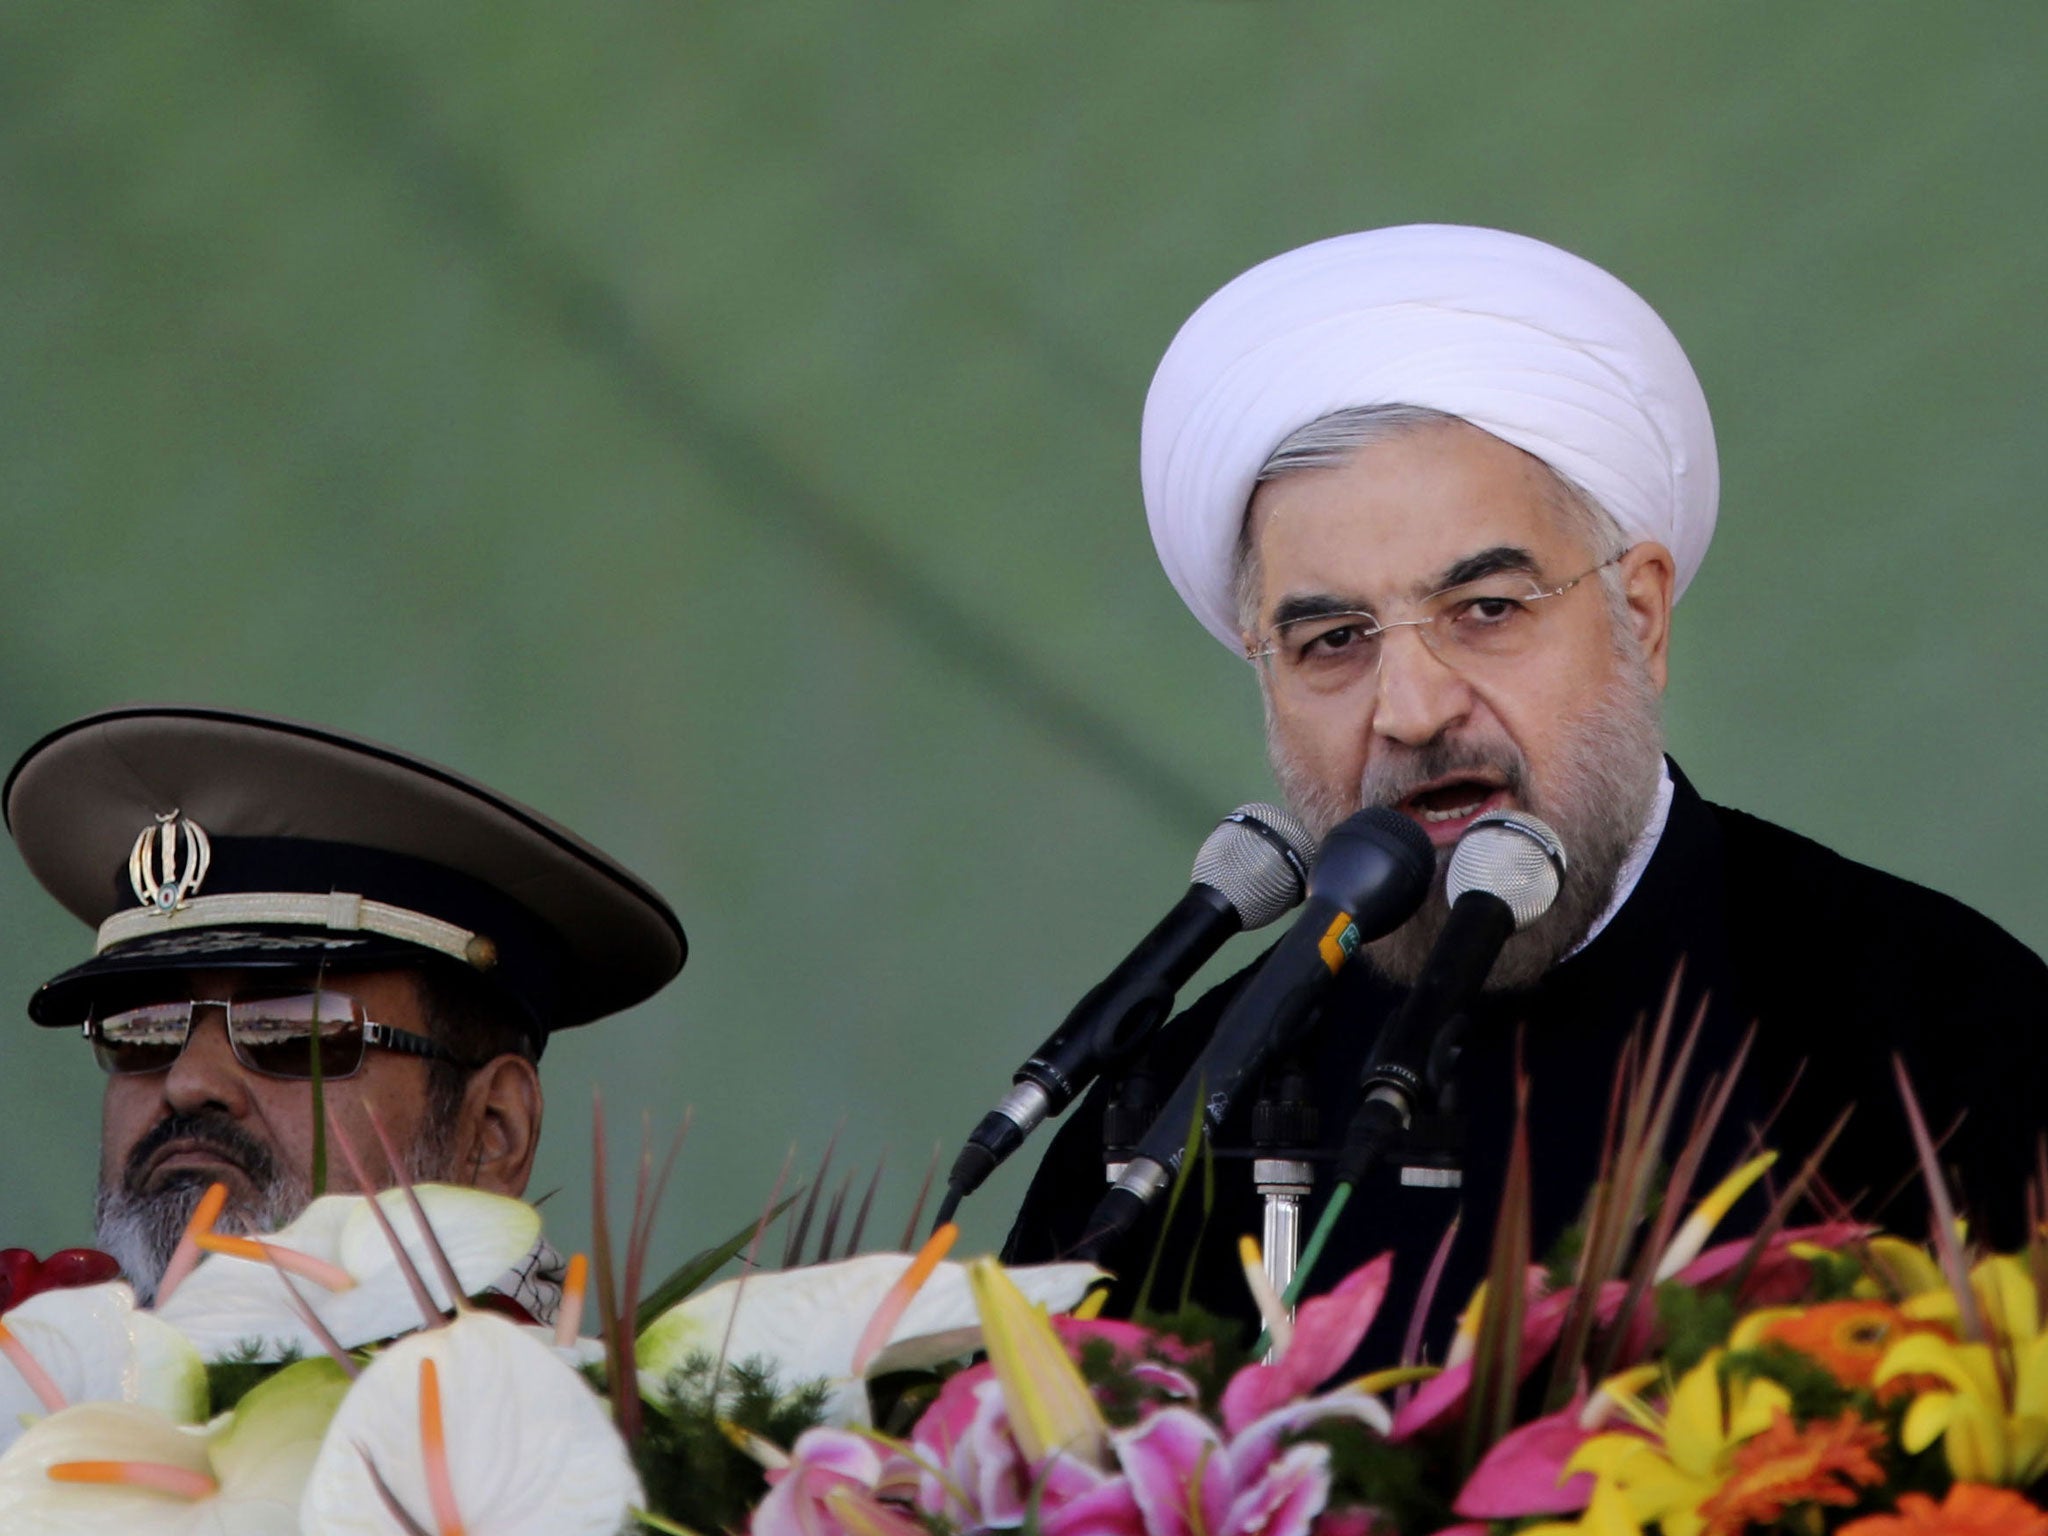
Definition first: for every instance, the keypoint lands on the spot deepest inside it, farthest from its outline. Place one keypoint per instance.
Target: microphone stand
(1285, 1124)
(1434, 1132)
(1133, 1102)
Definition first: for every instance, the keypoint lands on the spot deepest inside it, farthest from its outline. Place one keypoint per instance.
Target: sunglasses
(271, 1036)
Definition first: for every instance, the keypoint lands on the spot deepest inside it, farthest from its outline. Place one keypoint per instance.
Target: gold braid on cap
(170, 859)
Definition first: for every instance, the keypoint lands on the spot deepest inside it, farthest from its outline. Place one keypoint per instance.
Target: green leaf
(1180, 1184)
(695, 1270)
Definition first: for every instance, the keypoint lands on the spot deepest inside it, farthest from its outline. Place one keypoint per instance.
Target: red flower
(1971, 1509)
(1826, 1462)
(22, 1275)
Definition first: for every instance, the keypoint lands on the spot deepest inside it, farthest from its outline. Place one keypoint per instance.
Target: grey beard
(1597, 802)
(140, 1229)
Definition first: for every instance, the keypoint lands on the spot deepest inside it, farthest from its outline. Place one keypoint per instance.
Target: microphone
(1503, 875)
(1252, 868)
(1373, 872)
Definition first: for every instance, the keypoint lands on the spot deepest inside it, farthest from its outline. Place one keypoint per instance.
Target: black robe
(1838, 965)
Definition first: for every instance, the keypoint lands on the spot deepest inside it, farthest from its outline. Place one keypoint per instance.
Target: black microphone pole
(1480, 923)
(1252, 868)
(1372, 873)
(1503, 875)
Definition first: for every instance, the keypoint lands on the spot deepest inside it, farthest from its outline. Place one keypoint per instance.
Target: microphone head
(1376, 851)
(1512, 855)
(1257, 859)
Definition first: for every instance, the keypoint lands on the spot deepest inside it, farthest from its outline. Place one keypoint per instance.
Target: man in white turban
(1442, 487)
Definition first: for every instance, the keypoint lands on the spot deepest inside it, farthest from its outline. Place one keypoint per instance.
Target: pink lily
(1326, 1331)
(829, 1489)
(1187, 1482)
(965, 1466)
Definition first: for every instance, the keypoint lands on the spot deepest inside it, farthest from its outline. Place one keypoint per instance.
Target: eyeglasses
(1496, 618)
(271, 1036)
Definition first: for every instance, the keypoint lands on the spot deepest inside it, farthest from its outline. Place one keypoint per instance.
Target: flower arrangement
(337, 1377)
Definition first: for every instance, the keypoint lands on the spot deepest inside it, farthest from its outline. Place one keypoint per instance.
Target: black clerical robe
(1838, 965)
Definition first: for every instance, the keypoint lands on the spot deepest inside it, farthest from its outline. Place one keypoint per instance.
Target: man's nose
(1419, 696)
(206, 1072)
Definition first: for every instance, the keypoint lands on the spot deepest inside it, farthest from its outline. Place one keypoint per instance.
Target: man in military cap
(274, 901)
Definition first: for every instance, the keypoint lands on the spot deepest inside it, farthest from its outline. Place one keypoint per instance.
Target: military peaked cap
(193, 838)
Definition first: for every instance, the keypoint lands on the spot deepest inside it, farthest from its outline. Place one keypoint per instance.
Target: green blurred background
(717, 426)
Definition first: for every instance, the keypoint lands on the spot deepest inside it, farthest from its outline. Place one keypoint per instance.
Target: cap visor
(65, 999)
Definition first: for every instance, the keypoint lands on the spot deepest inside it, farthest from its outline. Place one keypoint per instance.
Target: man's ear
(1649, 578)
(498, 1131)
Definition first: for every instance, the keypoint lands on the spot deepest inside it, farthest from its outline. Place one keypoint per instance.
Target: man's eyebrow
(1488, 562)
(1297, 606)
(1315, 605)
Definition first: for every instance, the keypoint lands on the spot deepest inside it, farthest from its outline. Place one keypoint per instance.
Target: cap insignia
(168, 862)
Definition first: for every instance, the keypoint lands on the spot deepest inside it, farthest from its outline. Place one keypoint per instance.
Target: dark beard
(1598, 802)
(141, 1226)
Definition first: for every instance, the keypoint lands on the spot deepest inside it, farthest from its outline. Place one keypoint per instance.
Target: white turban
(1534, 345)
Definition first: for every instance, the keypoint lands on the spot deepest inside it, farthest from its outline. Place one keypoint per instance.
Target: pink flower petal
(1167, 1380)
(1326, 1331)
(1285, 1500)
(1441, 1396)
(1260, 1441)
(1520, 1475)
(1176, 1464)
(822, 1462)
(1077, 1500)
(1126, 1338)
(1779, 1275)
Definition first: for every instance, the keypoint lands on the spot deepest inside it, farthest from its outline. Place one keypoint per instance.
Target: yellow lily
(1905, 1267)
(2003, 1288)
(1608, 1513)
(1993, 1426)
(1051, 1409)
(1670, 1474)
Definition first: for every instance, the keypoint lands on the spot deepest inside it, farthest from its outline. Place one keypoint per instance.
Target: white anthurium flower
(103, 1467)
(230, 1304)
(507, 1441)
(808, 1322)
(578, 1353)
(94, 1345)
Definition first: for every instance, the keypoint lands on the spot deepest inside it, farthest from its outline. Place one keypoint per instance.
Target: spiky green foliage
(1196, 1145)
(1561, 1260)
(1393, 1479)
(1832, 1276)
(1692, 1322)
(1216, 1348)
(899, 1399)
(229, 1381)
(1816, 1394)
(692, 1471)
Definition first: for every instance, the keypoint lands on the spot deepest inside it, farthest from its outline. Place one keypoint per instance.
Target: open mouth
(1448, 806)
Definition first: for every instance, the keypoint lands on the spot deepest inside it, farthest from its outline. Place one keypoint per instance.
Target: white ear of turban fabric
(1526, 341)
